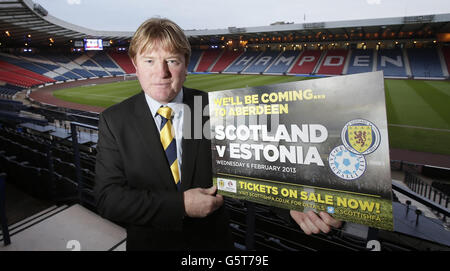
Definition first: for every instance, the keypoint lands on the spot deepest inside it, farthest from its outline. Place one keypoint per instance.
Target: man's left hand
(310, 222)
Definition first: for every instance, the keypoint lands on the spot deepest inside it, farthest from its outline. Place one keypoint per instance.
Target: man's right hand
(200, 202)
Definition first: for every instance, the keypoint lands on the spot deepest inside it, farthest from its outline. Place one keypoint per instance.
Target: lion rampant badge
(360, 136)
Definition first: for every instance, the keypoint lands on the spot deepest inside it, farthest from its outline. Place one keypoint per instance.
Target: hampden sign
(310, 145)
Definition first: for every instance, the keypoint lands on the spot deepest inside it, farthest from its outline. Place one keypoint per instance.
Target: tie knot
(165, 112)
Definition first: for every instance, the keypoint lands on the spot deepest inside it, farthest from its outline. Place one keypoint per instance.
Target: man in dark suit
(164, 204)
(152, 173)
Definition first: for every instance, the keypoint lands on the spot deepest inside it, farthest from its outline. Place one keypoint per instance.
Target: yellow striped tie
(168, 141)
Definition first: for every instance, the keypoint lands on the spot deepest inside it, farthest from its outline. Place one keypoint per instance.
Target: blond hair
(159, 31)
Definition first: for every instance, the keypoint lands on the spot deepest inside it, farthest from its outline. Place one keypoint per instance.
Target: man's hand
(200, 202)
(311, 223)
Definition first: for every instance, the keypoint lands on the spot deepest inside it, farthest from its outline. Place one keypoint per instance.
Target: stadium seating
(333, 62)
(306, 62)
(52, 69)
(360, 61)
(207, 59)
(124, 61)
(70, 65)
(284, 61)
(12, 68)
(195, 56)
(262, 62)
(391, 62)
(243, 61)
(8, 91)
(85, 62)
(107, 63)
(17, 79)
(35, 64)
(424, 62)
(30, 70)
(225, 60)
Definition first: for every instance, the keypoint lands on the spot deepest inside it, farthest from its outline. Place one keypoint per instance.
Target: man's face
(161, 73)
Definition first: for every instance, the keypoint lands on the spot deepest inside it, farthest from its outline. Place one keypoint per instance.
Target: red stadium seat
(13, 68)
(17, 79)
(207, 60)
(306, 63)
(124, 61)
(225, 60)
(333, 62)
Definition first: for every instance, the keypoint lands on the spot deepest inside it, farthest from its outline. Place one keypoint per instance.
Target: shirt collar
(175, 104)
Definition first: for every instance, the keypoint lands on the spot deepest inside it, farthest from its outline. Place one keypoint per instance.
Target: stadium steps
(65, 228)
(207, 59)
(226, 60)
(347, 62)
(215, 61)
(319, 63)
(250, 64)
(407, 63)
(293, 62)
(32, 220)
(115, 63)
(445, 69)
(273, 62)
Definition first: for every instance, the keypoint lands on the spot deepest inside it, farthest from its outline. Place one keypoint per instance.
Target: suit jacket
(134, 185)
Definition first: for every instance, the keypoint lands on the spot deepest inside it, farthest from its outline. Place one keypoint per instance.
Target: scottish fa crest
(360, 136)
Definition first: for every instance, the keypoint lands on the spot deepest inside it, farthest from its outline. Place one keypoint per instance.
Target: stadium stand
(107, 63)
(70, 65)
(12, 68)
(391, 62)
(333, 62)
(225, 60)
(425, 62)
(242, 62)
(207, 60)
(262, 62)
(360, 61)
(16, 79)
(193, 62)
(306, 63)
(284, 61)
(124, 61)
(87, 63)
(35, 64)
(7, 90)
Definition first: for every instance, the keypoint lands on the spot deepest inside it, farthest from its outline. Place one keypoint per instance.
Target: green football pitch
(418, 111)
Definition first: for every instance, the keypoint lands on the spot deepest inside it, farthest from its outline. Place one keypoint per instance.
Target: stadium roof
(426, 26)
(24, 23)
(27, 22)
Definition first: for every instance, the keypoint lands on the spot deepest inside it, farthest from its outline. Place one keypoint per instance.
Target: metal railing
(426, 194)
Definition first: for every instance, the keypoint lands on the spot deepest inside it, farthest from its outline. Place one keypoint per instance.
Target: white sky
(127, 15)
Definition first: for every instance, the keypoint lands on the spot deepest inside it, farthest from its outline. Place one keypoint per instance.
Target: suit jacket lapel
(148, 134)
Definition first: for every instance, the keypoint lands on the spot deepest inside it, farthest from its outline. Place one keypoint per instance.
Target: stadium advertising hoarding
(316, 144)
